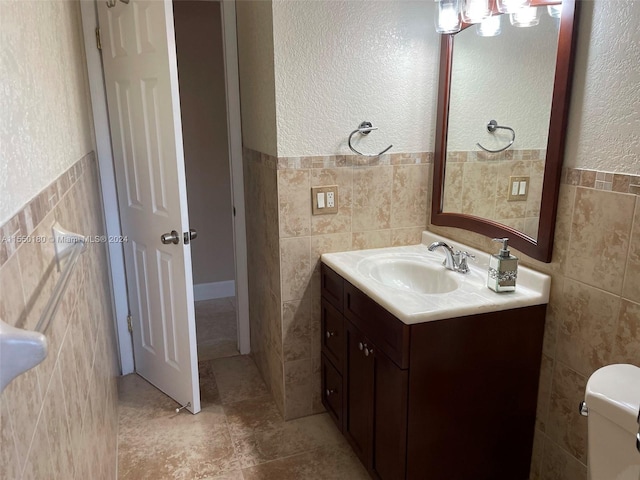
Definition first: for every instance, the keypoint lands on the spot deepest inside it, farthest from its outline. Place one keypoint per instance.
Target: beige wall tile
(544, 392)
(588, 325)
(626, 347)
(600, 238)
(481, 199)
(23, 399)
(537, 455)
(339, 242)
(554, 316)
(453, 187)
(296, 330)
(566, 426)
(10, 465)
(631, 289)
(340, 222)
(406, 236)
(371, 239)
(559, 465)
(409, 196)
(39, 462)
(295, 267)
(298, 396)
(371, 198)
(12, 298)
(294, 199)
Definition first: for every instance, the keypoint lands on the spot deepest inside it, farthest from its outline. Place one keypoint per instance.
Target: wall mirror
(501, 179)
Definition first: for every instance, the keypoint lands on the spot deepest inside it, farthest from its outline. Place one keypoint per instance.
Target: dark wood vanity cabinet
(452, 399)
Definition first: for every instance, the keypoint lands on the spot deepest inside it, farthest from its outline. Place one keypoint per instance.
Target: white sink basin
(412, 284)
(409, 272)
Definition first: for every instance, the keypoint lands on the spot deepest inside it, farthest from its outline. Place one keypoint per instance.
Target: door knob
(192, 234)
(173, 237)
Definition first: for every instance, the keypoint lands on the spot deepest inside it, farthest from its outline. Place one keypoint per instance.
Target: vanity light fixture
(448, 16)
(490, 27)
(525, 17)
(511, 6)
(455, 15)
(475, 11)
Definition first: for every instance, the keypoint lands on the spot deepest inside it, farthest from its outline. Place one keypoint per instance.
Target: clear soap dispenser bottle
(503, 269)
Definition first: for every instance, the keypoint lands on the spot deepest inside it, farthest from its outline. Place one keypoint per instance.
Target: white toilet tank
(613, 401)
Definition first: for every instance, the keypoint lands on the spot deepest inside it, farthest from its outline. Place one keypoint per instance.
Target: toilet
(612, 403)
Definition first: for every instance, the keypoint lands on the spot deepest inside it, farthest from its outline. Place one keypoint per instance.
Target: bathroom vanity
(420, 397)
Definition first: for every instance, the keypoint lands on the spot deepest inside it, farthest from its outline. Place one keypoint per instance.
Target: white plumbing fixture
(612, 403)
(20, 350)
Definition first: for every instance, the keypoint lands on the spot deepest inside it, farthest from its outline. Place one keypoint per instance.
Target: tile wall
(593, 317)
(478, 183)
(59, 420)
(381, 202)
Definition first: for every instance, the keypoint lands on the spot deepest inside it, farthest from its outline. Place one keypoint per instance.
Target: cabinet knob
(360, 346)
(329, 334)
(368, 351)
(330, 391)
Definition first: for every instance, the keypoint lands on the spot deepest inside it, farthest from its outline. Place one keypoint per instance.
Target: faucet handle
(463, 267)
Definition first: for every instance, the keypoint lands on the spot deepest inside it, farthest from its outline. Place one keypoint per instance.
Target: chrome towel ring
(492, 126)
(365, 128)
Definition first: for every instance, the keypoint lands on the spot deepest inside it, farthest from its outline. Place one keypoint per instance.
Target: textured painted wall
(508, 78)
(338, 63)
(204, 129)
(604, 126)
(257, 84)
(45, 124)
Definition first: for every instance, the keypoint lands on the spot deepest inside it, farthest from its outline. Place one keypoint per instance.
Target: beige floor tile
(238, 379)
(238, 428)
(216, 328)
(155, 442)
(326, 463)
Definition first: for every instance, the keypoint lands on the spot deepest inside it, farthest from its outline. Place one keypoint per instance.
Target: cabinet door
(391, 386)
(358, 423)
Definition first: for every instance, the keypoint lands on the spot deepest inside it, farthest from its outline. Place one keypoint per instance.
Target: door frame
(104, 153)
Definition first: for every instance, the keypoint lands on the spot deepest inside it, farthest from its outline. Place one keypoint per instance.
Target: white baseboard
(210, 291)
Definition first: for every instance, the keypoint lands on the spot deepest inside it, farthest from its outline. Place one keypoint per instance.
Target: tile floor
(238, 435)
(216, 328)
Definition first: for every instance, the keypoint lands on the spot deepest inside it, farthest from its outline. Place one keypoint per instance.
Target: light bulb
(448, 16)
(511, 6)
(491, 27)
(525, 17)
(475, 11)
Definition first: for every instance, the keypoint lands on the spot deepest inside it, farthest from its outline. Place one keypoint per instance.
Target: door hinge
(98, 42)
(130, 323)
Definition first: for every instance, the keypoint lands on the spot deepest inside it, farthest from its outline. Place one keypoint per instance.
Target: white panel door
(141, 78)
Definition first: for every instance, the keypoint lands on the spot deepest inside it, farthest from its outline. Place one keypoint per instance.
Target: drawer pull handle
(330, 392)
(330, 334)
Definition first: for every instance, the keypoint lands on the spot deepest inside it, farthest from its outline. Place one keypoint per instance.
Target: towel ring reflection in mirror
(492, 126)
(365, 128)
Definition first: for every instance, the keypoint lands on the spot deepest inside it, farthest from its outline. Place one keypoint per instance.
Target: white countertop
(470, 298)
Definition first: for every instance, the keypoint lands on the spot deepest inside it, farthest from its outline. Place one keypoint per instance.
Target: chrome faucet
(455, 261)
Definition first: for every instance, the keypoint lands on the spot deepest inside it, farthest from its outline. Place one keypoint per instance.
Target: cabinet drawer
(332, 333)
(332, 286)
(387, 332)
(332, 391)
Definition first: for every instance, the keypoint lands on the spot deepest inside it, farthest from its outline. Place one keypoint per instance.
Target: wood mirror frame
(540, 248)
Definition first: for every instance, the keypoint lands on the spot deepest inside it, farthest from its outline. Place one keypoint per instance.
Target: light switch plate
(519, 188)
(326, 209)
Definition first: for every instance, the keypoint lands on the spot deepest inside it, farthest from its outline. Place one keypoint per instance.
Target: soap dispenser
(503, 269)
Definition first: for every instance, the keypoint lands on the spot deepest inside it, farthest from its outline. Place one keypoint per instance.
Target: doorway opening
(203, 106)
